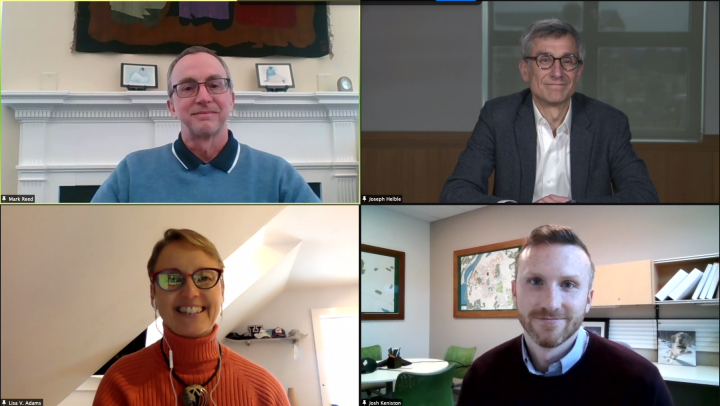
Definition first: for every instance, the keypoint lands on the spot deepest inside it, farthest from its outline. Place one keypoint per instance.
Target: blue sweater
(157, 176)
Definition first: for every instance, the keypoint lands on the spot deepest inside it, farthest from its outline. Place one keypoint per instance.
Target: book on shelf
(687, 286)
(672, 284)
(708, 281)
(712, 282)
(701, 285)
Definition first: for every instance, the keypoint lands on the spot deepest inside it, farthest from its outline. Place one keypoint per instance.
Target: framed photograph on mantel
(482, 280)
(275, 76)
(138, 77)
(382, 283)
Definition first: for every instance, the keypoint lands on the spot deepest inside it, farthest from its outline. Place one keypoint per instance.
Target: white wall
(612, 234)
(435, 52)
(291, 310)
(387, 229)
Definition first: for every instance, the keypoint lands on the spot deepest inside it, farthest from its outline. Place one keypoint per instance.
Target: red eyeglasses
(173, 279)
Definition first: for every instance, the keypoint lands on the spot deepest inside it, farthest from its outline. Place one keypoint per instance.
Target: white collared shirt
(565, 363)
(552, 170)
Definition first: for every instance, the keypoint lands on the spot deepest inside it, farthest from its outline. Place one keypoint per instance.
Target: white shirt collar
(566, 362)
(567, 121)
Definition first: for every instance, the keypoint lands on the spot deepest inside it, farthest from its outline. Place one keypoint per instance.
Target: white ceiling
(330, 241)
(432, 213)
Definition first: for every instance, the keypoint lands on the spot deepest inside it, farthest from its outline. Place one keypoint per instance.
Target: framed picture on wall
(382, 283)
(482, 279)
(600, 327)
(138, 77)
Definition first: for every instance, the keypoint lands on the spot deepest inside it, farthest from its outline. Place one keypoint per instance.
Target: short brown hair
(551, 234)
(195, 50)
(184, 235)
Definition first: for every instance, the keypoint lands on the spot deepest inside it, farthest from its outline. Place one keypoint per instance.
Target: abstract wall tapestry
(229, 28)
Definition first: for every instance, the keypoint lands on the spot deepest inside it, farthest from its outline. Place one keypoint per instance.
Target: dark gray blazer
(505, 140)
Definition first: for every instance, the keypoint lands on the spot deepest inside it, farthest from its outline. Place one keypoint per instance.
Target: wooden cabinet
(636, 283)
(629, 283)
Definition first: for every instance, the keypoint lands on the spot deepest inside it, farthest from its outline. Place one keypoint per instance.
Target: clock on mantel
(344, 84)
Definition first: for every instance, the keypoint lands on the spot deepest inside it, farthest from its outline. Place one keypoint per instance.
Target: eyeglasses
(172, 279)
(546, 61)
(190, 89)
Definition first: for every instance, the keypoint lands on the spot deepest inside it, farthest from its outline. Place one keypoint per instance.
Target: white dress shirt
(552, 170)
(565, 363)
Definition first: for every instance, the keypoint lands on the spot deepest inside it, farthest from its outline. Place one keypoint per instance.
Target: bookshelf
(626, 291)
(636, 283)
(664, 270)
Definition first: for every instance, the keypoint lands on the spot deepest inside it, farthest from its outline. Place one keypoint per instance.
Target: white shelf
(704, 302)
(690, 258)
(255, 340)
(701, 375)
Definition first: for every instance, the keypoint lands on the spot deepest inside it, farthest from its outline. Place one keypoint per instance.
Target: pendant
(195, 395)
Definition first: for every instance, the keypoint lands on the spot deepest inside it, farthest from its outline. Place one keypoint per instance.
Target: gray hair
(195, 50)
(550, 28)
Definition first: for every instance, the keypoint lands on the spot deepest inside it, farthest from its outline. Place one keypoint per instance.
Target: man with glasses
(548, 144)
(206, 164)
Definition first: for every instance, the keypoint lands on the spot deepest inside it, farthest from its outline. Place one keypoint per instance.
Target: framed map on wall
(382, 283)
(482, 279)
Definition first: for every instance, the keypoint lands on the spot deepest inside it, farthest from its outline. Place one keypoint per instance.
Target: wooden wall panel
(416, 166)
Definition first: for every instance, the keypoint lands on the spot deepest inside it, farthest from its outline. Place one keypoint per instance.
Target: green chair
(461, 356)
(425, 389)
(374, 352)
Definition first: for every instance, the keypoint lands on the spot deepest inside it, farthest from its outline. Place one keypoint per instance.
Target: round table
(418, 366)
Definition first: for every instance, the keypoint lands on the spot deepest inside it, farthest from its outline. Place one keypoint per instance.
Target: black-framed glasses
(213, 86)
(546, 61)
(173, 279)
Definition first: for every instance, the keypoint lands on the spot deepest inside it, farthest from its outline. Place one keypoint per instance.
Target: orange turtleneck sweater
(143, 378)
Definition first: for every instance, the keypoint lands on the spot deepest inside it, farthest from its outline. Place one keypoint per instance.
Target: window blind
(640, 333)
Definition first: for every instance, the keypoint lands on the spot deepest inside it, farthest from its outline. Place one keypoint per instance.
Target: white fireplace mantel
(73, 138)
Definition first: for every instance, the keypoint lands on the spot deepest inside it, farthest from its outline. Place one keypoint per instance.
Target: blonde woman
(188, 367)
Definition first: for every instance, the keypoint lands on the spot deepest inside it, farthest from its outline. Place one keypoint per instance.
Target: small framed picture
(597, 326)
(382, 283)
(677, 347)
(275, 75)
(138, 77)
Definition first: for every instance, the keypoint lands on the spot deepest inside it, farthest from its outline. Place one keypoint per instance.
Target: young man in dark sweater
(555, 361)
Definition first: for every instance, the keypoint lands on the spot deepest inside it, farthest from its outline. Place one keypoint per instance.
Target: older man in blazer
(548, 144)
